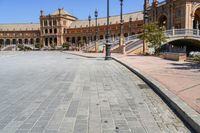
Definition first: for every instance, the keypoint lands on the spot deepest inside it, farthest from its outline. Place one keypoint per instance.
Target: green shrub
(196, 58)
(20, 47)
(66, 45)
(38, 45)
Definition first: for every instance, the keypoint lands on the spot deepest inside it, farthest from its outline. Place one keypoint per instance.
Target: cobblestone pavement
(53, 92)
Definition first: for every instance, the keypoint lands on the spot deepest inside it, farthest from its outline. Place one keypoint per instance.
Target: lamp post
(130, 25)
(121, 39)
(108, 45)
(121, 23)
(96, 38)
(146, 17)
(89, 19)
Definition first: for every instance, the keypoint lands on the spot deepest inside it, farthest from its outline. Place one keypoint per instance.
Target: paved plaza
(54, 92)
(181, 78)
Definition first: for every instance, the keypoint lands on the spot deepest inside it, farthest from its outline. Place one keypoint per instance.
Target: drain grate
(143, 86)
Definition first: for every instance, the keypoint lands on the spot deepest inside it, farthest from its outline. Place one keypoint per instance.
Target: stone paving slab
(44, 92)
(181, 78)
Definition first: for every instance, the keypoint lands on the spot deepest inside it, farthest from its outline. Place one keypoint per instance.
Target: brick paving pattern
(53, 92)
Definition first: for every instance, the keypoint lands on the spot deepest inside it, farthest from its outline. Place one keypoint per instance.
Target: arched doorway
(1, 42)
(37, 40)
(85, 39)
(182, 46)
(125, 34)
(14, 41)
(26, 41)
(163, 22)
(32, 41)
(20, 41)
(101, 37)
(196, 22)
(7, 41)
(55, 41)
(73, 40)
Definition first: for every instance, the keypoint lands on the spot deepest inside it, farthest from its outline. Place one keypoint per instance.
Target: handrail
(182, 32)
(168, 33)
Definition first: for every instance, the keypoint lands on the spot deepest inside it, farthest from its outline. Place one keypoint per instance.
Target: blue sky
(27, 11)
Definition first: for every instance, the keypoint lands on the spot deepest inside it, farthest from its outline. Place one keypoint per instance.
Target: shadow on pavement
(186, 66)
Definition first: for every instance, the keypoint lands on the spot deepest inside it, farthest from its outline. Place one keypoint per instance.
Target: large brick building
(56, 28)
(175, 13)
(59, 27)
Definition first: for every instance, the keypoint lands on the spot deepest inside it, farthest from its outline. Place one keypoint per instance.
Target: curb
(186, 113)
(80, 55)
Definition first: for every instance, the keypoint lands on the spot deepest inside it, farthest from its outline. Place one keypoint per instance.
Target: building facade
(60, 27)
(178, 14)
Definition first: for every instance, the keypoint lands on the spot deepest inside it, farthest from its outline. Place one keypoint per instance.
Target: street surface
(54, 92)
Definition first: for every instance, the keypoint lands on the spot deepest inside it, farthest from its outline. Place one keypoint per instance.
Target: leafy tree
(153, 35)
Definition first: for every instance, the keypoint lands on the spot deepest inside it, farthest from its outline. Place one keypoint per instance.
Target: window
(178, 13)
(46, 31)
(55, 31)
(50, 30)
(64, 23)
(45, 23)
(54, 22)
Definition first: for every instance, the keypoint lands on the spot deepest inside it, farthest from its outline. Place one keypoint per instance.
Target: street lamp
(96, 38)
(108, 45)
(146, 17)
(130, 25)
(121, 23)
(89, 19)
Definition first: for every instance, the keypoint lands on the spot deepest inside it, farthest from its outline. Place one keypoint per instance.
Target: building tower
(54, 26)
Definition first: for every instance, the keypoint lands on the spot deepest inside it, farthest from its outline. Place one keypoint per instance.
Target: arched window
(32, 41)
(196, 22)
(54, 23)
(125, 34)
(85, 39)
(46, 31)
(1, 41)
(26, 41)
(163, 22)
(46, 41)
(37, 40)
(7, 41)
(50, 31)
(73, 39)
(55, 41)
(101, 36)
(14, 41)
(45, 23)
(55, 31)
(20, 41)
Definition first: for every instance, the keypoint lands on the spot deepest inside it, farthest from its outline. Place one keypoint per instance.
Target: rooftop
(113, 20)
(19, 27)
(60, 11)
